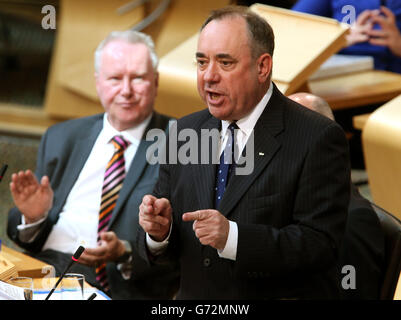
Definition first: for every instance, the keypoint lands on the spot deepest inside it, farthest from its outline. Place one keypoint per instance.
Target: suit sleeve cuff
(28, 232)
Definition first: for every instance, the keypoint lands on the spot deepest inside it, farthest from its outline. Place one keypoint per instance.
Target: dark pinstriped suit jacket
(290, 211)
(62, 154)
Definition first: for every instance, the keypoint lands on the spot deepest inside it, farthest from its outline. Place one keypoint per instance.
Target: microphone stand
(74, 259)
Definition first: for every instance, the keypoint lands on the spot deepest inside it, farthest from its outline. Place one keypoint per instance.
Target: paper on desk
(10, 292)
(340, 64)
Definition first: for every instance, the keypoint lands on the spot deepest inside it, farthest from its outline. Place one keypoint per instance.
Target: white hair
(129, 36)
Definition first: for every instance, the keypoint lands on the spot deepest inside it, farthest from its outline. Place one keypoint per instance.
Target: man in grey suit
(87, 189)
(270, 234)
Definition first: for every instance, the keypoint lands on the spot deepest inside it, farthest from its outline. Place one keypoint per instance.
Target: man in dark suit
(91, 176)
(270, 232)
(363, 246)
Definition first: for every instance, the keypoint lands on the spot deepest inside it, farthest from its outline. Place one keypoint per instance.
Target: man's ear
(265, 63)
(96, 76)
(157, 80)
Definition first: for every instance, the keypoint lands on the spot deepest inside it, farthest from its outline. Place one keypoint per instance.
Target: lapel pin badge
(261, 154)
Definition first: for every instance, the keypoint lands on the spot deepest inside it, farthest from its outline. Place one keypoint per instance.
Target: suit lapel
(138, 166)
(268, 126)
(76, 161)
(204, 175)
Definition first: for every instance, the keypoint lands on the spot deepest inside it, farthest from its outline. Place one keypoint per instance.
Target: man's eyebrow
(218, 56)
(224, 56)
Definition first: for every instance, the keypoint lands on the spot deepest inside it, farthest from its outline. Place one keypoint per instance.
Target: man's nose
(211, 74)
(126, 89)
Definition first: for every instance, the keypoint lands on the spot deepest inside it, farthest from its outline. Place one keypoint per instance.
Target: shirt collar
(133, 135)
(247, 123)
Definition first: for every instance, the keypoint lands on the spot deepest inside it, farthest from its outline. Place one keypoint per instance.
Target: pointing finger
(193, 216)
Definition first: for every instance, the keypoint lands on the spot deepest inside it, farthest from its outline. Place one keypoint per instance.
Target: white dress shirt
(246, 126)
(78, 220)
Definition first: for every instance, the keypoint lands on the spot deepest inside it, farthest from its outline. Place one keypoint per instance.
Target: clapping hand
(33, 199)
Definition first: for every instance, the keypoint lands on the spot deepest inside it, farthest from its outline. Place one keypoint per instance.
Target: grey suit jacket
(62, 154)
(290, 211)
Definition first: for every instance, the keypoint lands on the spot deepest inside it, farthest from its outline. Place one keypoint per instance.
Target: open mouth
(214, 97)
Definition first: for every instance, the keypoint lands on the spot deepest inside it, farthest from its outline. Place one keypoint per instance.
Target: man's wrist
(32, 221)
(27, 221)
(160, 238)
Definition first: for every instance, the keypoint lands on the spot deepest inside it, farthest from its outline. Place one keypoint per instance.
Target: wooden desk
(357, 89)
(359, 121)
(23, 120)
(397, 295)
(26, 265)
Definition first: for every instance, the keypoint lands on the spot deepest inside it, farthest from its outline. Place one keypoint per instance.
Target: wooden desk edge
(359, 121)
(28, 266)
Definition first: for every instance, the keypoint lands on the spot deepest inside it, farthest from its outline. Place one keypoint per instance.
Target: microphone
(3, 171)
(93, 296)
(74, 259)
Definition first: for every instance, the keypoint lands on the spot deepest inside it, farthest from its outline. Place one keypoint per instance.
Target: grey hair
(260, 32)
(129, 36)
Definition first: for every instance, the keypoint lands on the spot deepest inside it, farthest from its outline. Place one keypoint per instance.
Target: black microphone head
(78, 253)
(3, 171)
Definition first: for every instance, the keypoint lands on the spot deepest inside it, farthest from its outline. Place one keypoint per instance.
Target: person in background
(375, 30)
(364, 245)
(91, 176)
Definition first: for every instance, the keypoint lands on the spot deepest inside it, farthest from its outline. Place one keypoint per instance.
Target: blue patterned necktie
(227, 164)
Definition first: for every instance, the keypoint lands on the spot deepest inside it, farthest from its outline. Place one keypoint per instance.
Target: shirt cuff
(24, 225)
(125, 268)
(230, 250)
